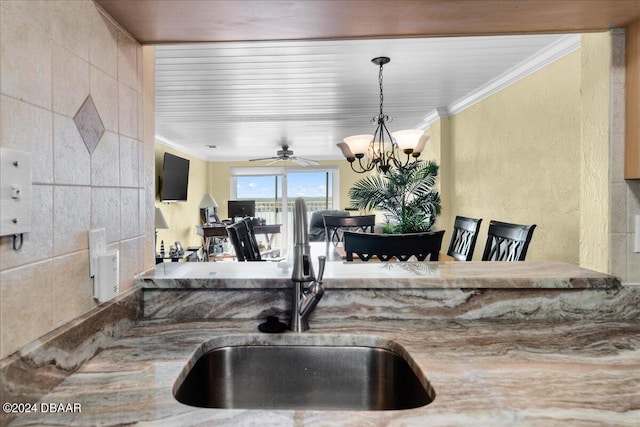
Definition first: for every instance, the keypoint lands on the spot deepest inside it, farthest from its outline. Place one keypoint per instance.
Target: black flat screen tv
(241, 208)
(175, 179)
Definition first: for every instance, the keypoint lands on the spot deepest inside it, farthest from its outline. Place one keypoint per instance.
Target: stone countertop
(483, 373)
(415, 275)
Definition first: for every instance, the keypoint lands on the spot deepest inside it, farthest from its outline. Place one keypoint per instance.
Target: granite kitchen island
(518, 344)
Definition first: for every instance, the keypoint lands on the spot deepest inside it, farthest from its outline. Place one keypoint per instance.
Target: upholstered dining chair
(507, 242)
(463, 239)
(388, 246)
(336, 225)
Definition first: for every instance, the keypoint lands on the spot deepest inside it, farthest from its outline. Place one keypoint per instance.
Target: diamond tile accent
(89, 124)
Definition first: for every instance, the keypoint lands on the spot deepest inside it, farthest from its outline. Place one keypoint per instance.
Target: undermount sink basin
(303, 377)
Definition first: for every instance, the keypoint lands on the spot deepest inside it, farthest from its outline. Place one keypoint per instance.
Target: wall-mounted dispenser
(103, 266)
(15, 194)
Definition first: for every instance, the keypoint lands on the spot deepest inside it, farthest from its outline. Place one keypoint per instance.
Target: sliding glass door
(275, 190)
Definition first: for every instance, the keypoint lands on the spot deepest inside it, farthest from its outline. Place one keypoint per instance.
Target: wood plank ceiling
(300, 71)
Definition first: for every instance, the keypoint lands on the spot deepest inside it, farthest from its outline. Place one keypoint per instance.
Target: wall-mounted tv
(175, 179)
(241, 208)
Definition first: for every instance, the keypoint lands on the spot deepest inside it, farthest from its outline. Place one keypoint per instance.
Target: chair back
(388, 246)
(463, 239)
(336, 225)
(507, 242)
(241, 239)
(254, 249)
(316, 224)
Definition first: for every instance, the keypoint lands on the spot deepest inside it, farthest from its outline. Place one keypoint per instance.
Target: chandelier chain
(381, 91)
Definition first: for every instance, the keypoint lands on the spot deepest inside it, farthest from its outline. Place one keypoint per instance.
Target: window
(275, 189)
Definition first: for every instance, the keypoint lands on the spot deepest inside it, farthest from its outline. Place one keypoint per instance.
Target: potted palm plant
(406, 196)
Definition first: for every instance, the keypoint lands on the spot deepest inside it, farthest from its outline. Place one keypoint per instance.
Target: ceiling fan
(285, 154)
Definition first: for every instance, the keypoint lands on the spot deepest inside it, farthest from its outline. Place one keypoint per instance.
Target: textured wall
(54, 55)
(515, 158)
(594, 153)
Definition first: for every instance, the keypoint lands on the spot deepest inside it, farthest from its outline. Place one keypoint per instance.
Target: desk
(220, 230)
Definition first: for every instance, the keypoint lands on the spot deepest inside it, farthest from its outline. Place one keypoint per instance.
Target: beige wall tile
(71, 159)
(103, 89)
(26, 309)
(633, 262)
(70, 25)
(38, 243)
(129, 153)
(105, 212)
(105, 161)
(618, 208)
(71, 219)
(633, 204)
(129, 262)
(141, 211)
(129, 215)
(103, 44)
(618, 108)
(35, 80)
(73, 288)
(34, 12)
(127, 61)
(618, 56)
(70, 81)
(29, 128)
(616, 166)
(26, 62)
(127, 111)
(618, 259)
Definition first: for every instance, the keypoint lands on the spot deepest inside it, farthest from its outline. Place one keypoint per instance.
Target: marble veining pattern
(484, 373)
(380, 275)
(40, 366)
(363, 303)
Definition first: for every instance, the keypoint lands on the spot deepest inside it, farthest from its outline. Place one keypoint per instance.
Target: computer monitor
(241, 208)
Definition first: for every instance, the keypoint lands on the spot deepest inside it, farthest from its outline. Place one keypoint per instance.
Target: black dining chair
(388, 246)
(507, 242)
(317, 231)
(463, 239)
(335, 226)
(244, 244)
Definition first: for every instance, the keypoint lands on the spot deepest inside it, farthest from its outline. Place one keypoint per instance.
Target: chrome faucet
(303, 299)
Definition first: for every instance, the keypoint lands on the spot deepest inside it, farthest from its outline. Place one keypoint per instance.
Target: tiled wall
(54, 54)
(625, 195)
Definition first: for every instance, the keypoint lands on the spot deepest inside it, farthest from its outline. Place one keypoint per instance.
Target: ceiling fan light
(407, 140)
(358, 144)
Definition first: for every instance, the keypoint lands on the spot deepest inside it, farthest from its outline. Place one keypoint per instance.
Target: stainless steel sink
(303, 377)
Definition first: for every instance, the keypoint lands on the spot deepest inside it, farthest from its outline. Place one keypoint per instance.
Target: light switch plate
(15, 192)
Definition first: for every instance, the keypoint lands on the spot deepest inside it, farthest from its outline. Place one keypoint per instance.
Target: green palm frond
(406, 195)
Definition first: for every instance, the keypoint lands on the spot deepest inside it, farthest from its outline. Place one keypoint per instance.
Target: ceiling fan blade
(277, 159)
(304, 162)
(264, 158)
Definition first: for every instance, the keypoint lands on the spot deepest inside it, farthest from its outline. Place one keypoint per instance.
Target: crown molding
(550, 54)
(168, 143)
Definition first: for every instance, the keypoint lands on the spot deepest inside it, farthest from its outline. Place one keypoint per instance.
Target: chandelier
(383, 150)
